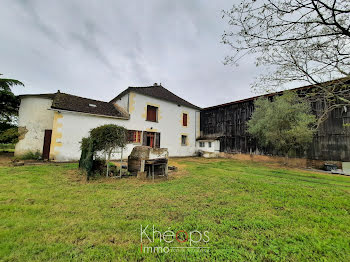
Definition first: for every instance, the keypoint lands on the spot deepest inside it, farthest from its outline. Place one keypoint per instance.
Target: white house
(54, 124)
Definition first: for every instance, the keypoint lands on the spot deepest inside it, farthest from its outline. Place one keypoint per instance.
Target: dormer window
(152, 113)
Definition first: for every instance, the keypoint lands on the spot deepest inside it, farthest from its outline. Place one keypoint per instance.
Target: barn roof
(156, 91)
(324, 84)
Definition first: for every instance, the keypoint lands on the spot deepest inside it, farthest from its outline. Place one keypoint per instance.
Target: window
(201, 144)
(184, 119)
(152, 113)
(151, 139)
(134, 136)
(184, 140)
(209, 144)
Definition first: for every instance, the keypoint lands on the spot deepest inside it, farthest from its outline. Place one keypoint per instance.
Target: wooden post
(166, 169)
(142, 167)
(109, 157)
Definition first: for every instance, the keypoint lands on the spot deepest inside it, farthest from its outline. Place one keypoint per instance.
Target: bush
(7, 147)
(111, 164)
(86, 161)
(105, 139)
(9, 136)
(284, 124)
(31, 156)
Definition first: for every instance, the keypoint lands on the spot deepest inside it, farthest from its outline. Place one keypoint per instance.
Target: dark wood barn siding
(332, 141)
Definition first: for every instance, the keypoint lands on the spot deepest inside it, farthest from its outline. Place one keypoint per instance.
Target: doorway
(47, 144)
(151, 139)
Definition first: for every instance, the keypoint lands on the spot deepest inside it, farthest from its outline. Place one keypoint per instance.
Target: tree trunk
(121, 162)
(286, 157)
(109, 157)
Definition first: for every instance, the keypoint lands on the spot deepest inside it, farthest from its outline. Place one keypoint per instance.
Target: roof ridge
(75, 103)
(81, 97)
(334, 81)
(157, 91)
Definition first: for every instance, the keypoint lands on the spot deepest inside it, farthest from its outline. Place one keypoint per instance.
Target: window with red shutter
(138, 140)
(134, 136)
(184, 119)
(152, 113)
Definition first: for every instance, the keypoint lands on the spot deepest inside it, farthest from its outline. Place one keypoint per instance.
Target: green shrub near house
(30, 155)
(7, 147)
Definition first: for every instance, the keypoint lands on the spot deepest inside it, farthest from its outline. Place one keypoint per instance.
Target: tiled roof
(85, 105)
(49, 95)
(69, 102)
(157, 91)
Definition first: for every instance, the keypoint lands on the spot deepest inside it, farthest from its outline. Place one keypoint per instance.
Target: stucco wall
(70, 128)
(169, 123)
(34, 117)
(215, 146)
(124, 102)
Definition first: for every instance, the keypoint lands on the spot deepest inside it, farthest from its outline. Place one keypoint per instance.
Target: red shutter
(184, 119)
(138, 137)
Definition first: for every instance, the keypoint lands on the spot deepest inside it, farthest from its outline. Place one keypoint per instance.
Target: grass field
(252, 212)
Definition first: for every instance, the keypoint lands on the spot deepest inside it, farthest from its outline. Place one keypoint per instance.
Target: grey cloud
(37, 21)
(97, 48)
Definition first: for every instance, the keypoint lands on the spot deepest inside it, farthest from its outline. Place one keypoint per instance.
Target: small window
(201, 144)
(184, 119)
(134, 136)
(184, 140)
(152, 113)
(209, 144)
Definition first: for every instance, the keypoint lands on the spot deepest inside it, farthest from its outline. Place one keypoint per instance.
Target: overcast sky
(97, 48)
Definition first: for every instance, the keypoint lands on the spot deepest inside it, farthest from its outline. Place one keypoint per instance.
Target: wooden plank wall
(331, 142)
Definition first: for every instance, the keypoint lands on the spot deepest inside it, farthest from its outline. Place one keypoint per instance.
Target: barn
(227, 124)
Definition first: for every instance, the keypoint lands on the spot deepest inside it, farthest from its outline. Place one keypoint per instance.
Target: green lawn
(251, 211)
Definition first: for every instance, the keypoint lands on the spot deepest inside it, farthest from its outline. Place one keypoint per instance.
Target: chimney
(155, 84)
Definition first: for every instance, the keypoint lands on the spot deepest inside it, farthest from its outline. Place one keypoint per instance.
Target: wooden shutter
(139, 134)
(157, 144)
(152, 113)
(130, 135)
(184, 119)
(144, 138)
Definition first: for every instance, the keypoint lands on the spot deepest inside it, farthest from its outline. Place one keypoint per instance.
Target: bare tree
(297, 41)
